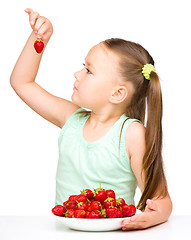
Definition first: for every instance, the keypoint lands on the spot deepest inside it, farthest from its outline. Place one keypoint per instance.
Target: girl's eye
(87, 69)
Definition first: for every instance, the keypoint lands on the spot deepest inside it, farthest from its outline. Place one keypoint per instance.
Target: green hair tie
(147, 69)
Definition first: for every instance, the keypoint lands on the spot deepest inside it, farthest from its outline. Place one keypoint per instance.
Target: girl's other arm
(157, 210)
(22, 80)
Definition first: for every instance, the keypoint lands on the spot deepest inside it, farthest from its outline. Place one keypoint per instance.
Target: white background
(29, 151)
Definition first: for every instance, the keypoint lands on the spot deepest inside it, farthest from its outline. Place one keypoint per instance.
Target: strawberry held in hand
(38, 45)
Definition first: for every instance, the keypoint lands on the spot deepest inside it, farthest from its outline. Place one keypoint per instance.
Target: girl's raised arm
(22, 80)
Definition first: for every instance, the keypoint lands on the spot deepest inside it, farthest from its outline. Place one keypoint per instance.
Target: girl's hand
(41, 26)
(150, 217)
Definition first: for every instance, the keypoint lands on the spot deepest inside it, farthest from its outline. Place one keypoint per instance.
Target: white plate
(101, 224)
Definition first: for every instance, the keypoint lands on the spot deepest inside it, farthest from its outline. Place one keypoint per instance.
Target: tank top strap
(122, 146)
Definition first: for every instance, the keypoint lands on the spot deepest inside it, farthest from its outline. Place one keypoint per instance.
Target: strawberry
(88, 193)
(133, 209)
(64, 203)
(87, 214)
(109, 202)
(100, 194)
(120, 202)
(79, 213)
(82, 206)
(94, 214)
(69, 213)
(119, 213)
(72, 198)
(103, 213)
(89, 203)
(112, 212)
(128, 210)
(38, 45)
(81, 198)
(110, 193)
(102, 206)
(71, 205)
(94, 206)
(58, 210)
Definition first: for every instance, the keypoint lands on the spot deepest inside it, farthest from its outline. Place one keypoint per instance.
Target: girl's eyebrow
(89, 64)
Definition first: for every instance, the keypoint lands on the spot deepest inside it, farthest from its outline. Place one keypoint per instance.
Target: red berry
(128, 210)
(82, 206)
(94, 214)
(79, 213)
(100, 195)
(94, 206)
(64, 203)
(112, 212)
(133, 209)
(70, 213)
(81, 198)
(38, 45)
(109, 202)
(110, 193)
(58, 210)
(120, 202)
(70, 205)
(89, 204)
(72, 198)
(103, 213)
(87, 214)
(88, 193)
(119, 213)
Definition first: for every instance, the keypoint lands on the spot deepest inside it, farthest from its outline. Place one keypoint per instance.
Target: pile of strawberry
(101, 203)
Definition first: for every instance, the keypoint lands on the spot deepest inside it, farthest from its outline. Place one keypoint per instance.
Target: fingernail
(32, 22)
(38, 36)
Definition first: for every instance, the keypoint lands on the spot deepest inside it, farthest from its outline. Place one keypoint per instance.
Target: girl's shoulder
(135, 138)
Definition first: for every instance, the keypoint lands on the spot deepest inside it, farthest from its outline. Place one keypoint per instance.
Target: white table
(49, 227)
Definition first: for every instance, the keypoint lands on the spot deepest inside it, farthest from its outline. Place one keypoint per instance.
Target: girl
(108, 144)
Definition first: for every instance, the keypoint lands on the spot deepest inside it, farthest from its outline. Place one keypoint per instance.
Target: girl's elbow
(170, 205)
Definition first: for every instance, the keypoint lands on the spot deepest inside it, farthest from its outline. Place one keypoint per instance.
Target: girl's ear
(119, 95)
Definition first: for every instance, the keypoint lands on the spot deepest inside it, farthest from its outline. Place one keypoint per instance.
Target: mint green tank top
(83, 164)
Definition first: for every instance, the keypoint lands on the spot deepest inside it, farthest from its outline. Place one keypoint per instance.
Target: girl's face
(97, 80)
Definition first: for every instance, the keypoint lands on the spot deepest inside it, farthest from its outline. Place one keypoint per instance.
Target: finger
(39, 22)
(43, 31)
(142, 217)
(33, 18)
(134, 226)
(28, 10)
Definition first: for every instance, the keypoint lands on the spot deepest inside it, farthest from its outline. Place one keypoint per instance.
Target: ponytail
(155, 181)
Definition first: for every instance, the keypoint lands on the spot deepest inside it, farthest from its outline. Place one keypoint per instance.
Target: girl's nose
(77, 75)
